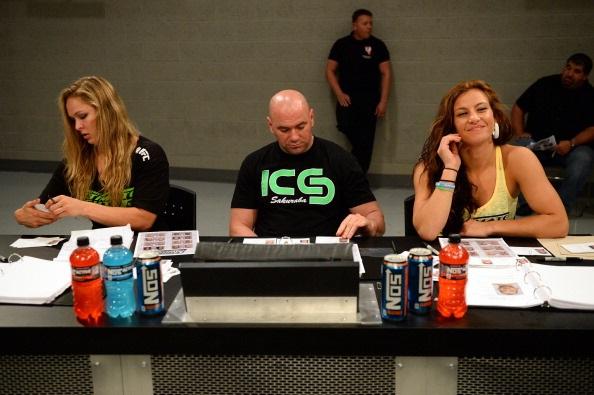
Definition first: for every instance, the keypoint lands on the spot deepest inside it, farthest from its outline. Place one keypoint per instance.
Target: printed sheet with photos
(167, 243)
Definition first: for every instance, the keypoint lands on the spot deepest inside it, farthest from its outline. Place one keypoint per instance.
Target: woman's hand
(32, 217)
(66, 206)
(448, 151)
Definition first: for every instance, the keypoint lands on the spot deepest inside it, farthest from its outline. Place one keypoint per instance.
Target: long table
(511, 334)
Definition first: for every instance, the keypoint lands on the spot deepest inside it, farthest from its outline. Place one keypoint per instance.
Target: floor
(213, 207)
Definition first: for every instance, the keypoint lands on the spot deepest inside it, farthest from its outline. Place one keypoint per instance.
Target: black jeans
(357, 122)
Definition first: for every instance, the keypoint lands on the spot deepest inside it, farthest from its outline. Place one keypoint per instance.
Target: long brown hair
(443, 124)
(115, 140)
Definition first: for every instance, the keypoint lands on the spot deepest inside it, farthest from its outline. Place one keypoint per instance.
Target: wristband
(445, 186)
(449, 168)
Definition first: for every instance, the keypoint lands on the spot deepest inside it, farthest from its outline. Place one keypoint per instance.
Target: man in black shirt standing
(301, 185)
(358, 71)
(562, 105)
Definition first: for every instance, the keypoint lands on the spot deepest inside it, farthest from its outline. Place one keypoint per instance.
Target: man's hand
(343, 99)
(563, 147)
(351, 224)
(380, 110)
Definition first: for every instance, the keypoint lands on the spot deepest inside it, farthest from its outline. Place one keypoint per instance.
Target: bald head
(287, 100)
(290, 120)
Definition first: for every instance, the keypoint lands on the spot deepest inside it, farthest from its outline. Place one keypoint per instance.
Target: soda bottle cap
(116, 240)
(82, 241)
(454, 238)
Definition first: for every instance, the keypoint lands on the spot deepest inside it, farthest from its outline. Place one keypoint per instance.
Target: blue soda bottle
(119, 282)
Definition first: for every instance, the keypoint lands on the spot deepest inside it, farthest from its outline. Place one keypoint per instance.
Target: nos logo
(309, 182)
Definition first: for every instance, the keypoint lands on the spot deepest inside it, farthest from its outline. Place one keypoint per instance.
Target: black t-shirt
(358, 64)
(148, 188)
(555, 110)
(300, 195)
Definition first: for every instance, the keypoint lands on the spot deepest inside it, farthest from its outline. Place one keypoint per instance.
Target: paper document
(274, 241)
(530, 284)
(536, 251)
(167, 243)
(331, 240)
(561, 247)
(36, 242)
(546, 144)
(99, 239)
(580, 248)
(493, 252)
(33, 281)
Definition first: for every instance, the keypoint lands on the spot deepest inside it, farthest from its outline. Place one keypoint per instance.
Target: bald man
(301, 185)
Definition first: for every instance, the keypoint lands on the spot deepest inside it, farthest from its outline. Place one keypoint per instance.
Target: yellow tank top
(502, 205)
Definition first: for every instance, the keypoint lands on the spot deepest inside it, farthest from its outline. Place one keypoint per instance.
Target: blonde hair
(115, 140)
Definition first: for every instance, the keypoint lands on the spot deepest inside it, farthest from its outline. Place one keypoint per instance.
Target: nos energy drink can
(420, 290)
(149, 286)
(394, 288)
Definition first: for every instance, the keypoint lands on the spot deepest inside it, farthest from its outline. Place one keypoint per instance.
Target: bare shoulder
(515, 155)
(520, 160)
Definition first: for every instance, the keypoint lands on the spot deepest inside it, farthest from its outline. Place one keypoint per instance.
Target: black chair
(180, 209)
(409, 228)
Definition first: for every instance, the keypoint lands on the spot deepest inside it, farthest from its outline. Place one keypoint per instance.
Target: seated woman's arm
(139, 219)
(549, 218)
(431, 208)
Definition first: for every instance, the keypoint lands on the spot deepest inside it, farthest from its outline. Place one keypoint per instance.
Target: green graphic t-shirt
(300, 195)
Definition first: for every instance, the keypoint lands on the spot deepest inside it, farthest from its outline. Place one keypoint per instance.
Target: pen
(560, 259)
(433, 250)
(393, 246)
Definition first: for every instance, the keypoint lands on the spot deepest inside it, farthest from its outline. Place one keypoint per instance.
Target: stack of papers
(167, 243)
(36, 242)
(33, 281)
(571, 246)
(486, 253)
(98, 238)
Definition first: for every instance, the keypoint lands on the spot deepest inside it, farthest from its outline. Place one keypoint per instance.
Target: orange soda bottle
(453, 266)
(87, 285)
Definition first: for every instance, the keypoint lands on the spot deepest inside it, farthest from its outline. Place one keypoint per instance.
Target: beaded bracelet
(445, 186)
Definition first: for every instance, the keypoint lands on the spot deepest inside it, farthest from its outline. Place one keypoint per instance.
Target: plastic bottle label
(452, 272)
(86, 273)
(118, 273)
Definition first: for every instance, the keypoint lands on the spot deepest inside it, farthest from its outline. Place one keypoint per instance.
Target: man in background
(301, 185)
(561, 105)
(358, 71)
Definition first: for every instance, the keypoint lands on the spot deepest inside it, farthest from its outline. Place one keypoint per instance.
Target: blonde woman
(110, 173)
(468, 179)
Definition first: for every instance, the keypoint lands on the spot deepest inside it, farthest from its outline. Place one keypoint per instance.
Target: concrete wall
(197, 75)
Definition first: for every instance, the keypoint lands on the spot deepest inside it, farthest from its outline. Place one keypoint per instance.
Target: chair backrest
(409, 228)
(180, 209)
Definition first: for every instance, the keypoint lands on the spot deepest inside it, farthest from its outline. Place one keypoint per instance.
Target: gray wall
(197, 75)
